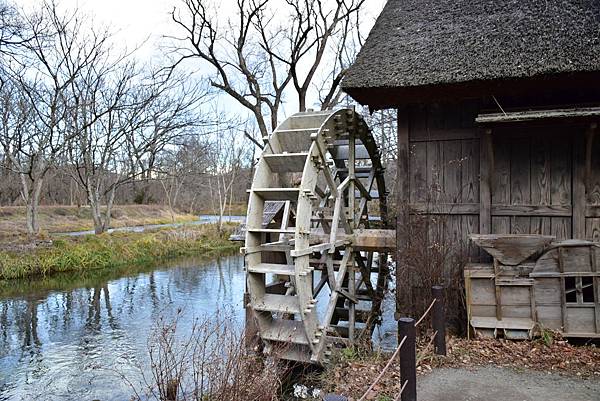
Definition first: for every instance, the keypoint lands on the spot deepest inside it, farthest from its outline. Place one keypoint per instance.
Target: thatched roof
(417, 43)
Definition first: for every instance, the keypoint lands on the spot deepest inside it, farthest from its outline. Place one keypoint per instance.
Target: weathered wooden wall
(526, 178)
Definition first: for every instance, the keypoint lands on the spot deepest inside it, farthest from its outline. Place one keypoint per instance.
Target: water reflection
(73, 338)
(78, 336)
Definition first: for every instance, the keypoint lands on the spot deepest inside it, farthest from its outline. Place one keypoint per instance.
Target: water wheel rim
(313, 143)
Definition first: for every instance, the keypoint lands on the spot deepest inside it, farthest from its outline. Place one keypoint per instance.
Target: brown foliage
(211, 362)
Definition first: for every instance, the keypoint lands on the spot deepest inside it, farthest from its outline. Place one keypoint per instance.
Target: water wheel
(318, 181)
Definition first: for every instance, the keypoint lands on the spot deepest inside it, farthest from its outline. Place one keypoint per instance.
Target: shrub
(211, 363)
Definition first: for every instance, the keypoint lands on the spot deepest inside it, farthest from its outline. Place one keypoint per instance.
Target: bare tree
(228, 156)
(56, 56)
(269, 45)
(132, 121)
(181, 169)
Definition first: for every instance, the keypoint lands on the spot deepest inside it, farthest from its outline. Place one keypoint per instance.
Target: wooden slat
(450, 134)
(531, 210)
(277, 303)
(501, 182)
(446, 208)
(295, 141)
(277, 194)
(286, 162)
(289, 331)
(271, 230)
(486, 164)
(561, 181)
(508, 323)
(579, 195)
(566, 274)
(563, 297)
(417, 182)
(592, 211)
(270, 268)
(342, 152)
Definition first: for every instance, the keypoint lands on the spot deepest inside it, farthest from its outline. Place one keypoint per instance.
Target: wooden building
(498, 109)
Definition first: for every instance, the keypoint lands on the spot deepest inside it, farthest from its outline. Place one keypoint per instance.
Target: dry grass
(237, 209)
(60, 219)
(430, 254)
(212, 362)
(112, 250)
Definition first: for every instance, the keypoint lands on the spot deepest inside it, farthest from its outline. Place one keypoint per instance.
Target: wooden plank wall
(592, 177)
(532, 182)
(524, 182)
(444, 167)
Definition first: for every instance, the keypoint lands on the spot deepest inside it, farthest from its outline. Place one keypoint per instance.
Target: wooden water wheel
(309, 283)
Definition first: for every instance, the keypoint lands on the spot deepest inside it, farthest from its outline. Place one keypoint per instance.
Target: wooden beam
(530, 115)
(445, 208)
(531, 210)
(362, 239)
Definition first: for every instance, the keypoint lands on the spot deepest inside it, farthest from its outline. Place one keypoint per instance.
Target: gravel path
(492, 383)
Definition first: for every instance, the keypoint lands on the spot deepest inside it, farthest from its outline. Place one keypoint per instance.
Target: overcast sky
(145, 22)
(139, 21)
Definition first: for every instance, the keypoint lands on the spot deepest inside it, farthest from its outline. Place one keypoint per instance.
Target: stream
(84, 336)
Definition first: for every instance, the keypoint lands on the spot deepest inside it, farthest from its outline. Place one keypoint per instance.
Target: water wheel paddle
(309, 287)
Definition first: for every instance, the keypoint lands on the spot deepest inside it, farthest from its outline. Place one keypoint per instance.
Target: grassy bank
(237, 209)
(60, 219)
(113, 250)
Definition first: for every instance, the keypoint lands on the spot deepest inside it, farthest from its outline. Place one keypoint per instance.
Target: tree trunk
(32, 200)
(108, 212)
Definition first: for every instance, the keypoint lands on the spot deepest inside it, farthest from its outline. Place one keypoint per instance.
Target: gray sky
(147, 21)
(144, 23)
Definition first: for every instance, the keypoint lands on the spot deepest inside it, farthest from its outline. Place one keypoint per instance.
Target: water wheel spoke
(317, 175)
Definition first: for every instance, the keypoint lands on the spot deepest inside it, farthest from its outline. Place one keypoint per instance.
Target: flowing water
(84, 337)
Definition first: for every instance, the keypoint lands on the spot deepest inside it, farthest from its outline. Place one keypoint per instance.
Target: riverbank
(61, 219)
(94, 252)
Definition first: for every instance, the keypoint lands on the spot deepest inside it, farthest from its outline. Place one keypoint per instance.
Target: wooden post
(402, 201)
(438, 319)
(408, 358)
(250, 330)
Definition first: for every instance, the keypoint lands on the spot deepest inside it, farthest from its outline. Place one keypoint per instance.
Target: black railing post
(408, 358)
(438, 320)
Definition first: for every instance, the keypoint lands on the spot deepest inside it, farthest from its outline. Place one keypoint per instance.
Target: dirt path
(493, 383)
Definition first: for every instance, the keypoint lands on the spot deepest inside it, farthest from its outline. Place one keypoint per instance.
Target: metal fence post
(438, 320)
(408, 358)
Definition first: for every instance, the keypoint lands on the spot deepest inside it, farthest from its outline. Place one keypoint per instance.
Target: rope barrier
(401, 391)
(426, 312)
(383, 371)
(397, 351)
(425, 348)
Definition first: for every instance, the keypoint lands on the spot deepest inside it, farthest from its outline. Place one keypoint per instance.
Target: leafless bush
(212, 362)
(430, 253)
